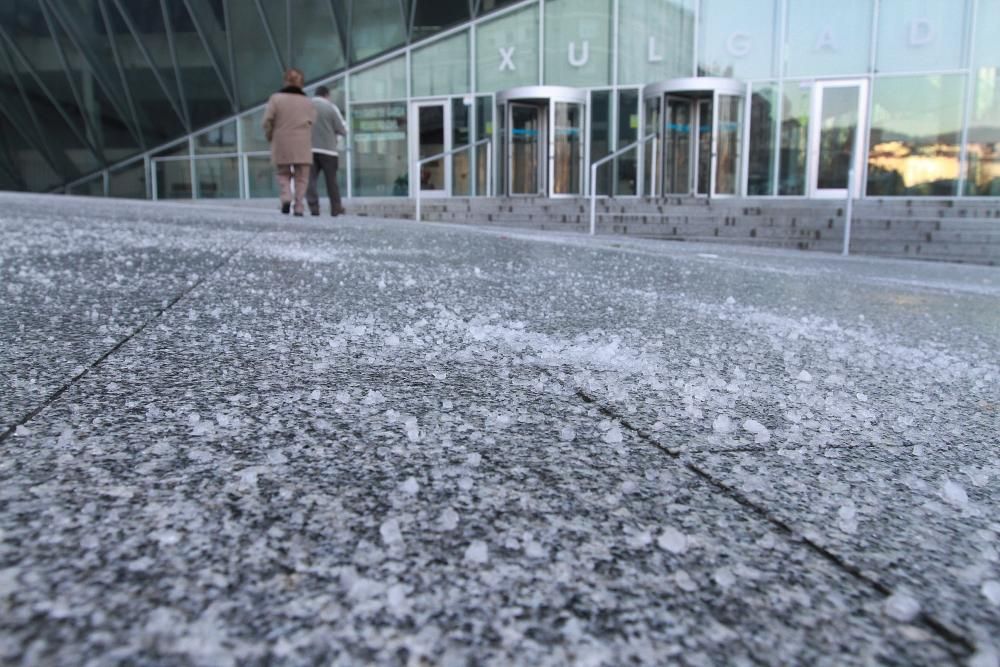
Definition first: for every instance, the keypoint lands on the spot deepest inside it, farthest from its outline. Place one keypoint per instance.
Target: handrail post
(848, 212)
(416, 216)
(593, 199)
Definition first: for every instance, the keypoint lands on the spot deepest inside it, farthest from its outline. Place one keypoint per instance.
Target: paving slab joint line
(952, 638)
(54, 396)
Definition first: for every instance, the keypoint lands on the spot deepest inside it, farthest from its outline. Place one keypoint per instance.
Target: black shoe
(339, 211)
(314, 211)
(298, 214)
(285, 208)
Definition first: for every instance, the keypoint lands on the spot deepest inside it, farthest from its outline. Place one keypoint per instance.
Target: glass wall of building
(91, 91)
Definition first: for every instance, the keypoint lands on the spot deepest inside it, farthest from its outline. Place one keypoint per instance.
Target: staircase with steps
(954, 230)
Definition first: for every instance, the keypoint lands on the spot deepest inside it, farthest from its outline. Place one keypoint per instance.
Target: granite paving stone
(365, 441)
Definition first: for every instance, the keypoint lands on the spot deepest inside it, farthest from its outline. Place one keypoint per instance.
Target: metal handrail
(472, 168)
(607, 158)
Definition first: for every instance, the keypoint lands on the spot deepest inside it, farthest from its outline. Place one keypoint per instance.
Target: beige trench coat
(288, 122)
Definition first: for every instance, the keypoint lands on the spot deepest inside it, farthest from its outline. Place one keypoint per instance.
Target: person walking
(288, 122)
(328, 126)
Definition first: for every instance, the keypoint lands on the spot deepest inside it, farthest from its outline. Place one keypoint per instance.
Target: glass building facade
(163, 98)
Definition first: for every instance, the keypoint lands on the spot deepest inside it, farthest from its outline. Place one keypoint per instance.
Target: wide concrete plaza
(229, 437)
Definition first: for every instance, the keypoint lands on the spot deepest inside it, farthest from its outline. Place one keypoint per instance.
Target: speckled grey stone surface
(354, 441)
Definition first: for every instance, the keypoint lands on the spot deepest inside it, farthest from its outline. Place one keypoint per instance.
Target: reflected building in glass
(755, 98)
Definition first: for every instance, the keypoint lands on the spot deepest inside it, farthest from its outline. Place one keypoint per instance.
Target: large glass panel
(217, 178)
(656, 40)
(276, 13)
(378, 133)
(626, 165)
(736, 38)
(442, 68)
(824, 42)
(173, 176)
(220, 139)
(677, 131)
(316, 47)
(652, 162)
(430, 142)
(600, 138)
(763, 123)
(204, 96)
(376, 26)
(794, 138)
(128, 182)
(260, 177)
(503, 184)
(916, 125)
(461, 183)
(578, 42)
(507, 51)
(703, 164)
(258, 72)
(916, 35)
(568, 135)
(983, 172)
(730, 145)
(431, 16)
(93, 187)
(838, 130)
(251, 125)
(386, 81)
(484, 129)
(526, 140)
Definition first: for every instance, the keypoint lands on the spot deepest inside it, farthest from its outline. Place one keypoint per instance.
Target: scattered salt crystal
(22, 431)
(804, 376)
(477, 552)
(343, 397)
(761, 434)
(474, 459)
(315, 395)
(954, 493)
(991, 591)
(730, 301)
(390, 532)
(567, 434)
(613, 436)
(722, 424)
(672, 540)
(392, 341)
(448, 519)
(724, 577)
(901, 607)
(410, 486)
(685, 582)
(373, 397)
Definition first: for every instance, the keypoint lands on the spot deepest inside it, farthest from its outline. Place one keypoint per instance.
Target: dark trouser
(328, 165)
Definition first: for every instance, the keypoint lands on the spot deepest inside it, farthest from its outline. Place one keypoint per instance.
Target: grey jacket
(329, 123)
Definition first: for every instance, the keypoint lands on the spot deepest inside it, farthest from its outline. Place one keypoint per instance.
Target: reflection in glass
(526, 131)
(916, 125)
(461, 184)
(925, 35)
(600, 138)
(128, 182)
(430, 140)
(578, 42)
(173, 179)
(983, 174)
(221, 139)
(824, 42)
(386, 81)
(260, 177)
(507, 51)
(763, 121)
(93, 187)
(660, 40)
(837, 134)
(316, 47)
(432, 16)
(568, 134)
(729, 142)
(376, 26)
(484, 129)
(251, 125)
(704, 163)
(378, 134)
(442, 68)
(676, 171)
(794, 138)
(217, 178)
(258, 72)
(626, 165)
(652, 125)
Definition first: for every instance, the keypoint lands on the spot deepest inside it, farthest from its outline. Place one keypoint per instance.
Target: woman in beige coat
(288, 122)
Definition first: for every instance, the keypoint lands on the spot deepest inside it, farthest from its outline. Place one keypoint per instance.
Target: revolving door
(540, 141)
(699, 124)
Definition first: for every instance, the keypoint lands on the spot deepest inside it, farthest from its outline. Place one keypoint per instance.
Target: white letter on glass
(507, 59)
(582, 60)
(738, 44)
(826, 41)
(921, 32)
(654, 57)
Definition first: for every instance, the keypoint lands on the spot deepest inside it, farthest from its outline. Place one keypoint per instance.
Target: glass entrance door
(677, 146)
(527, 149)
(567, 153)
(431, 133)
(703, 149)
(835, 137)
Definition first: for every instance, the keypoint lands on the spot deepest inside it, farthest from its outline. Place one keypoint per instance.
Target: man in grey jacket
(329, 123)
